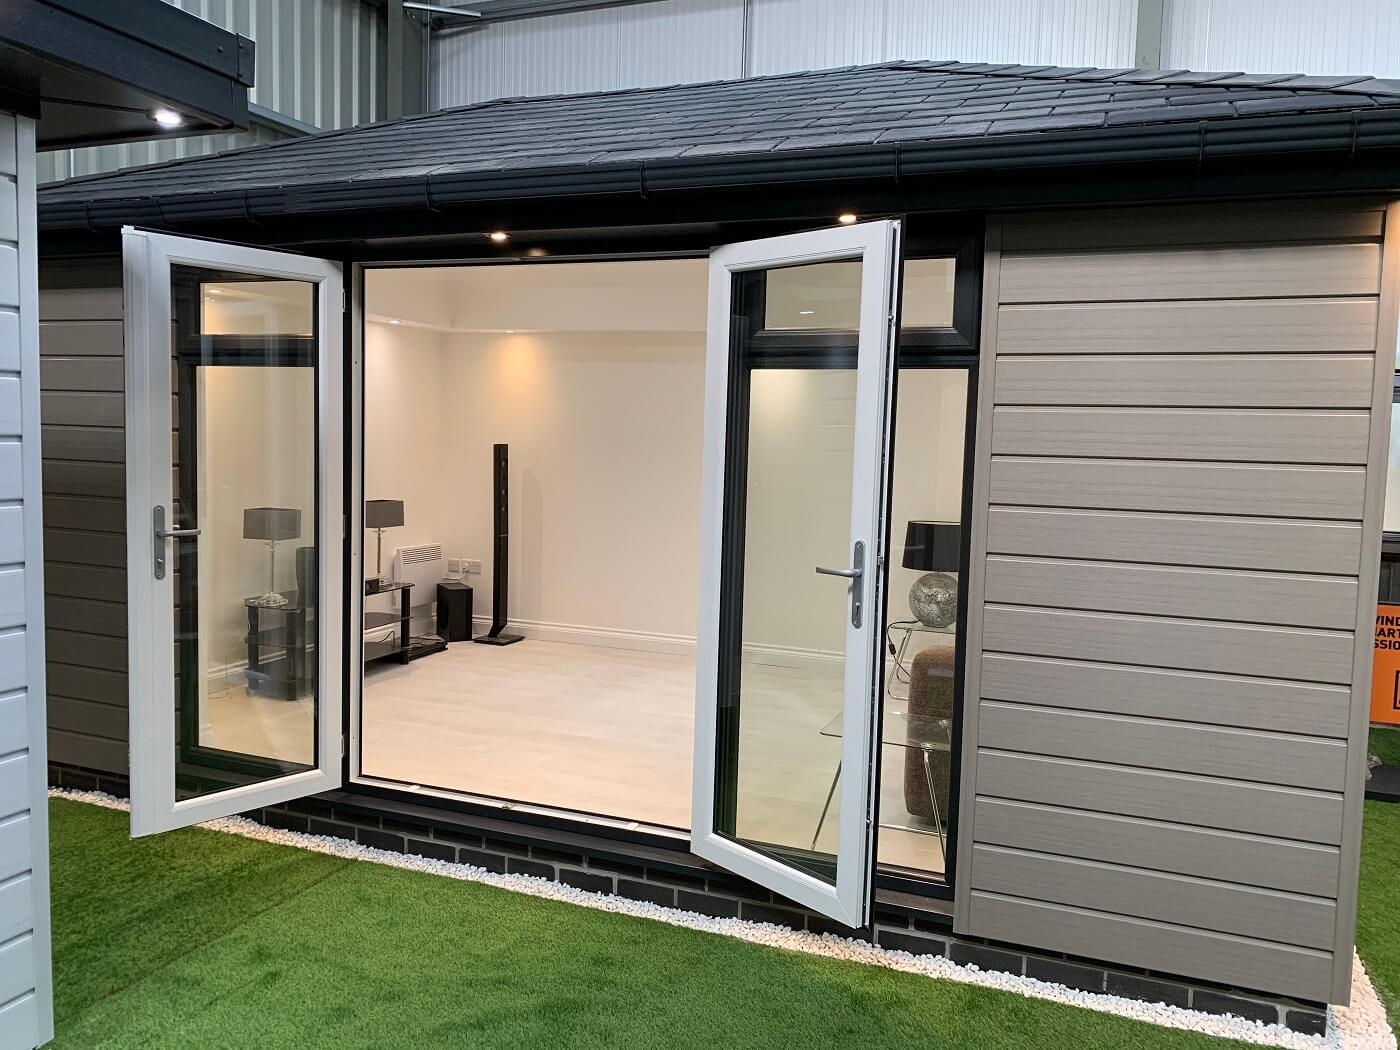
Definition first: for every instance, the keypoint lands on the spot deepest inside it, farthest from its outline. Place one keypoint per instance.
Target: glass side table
(899, 728)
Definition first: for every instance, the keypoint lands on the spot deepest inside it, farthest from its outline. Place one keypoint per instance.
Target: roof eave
(1346, 134)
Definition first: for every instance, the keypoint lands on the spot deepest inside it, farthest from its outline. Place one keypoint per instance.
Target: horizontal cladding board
(1190, 381)
(80, 304)
(88, 683)
(79, 547)
(1242, 962)
(1239, 326)
(1264, 221)
(1177, 539)
(12, 598)
(1183, 798)
(81, 373)
(1191, 273)
(14, 785)
(1291, 599)
(9, 406)
(14, 847)
(86, 581)
(16, 968)
(1240, 436)
(76, 408)
(86, 650)
(92, 444)
(13, 661)
(1250, 860)
(83, 716)
(11, 469)
(16, 908)
(14, 723)
(1149, 743)
(84, 614)
(89, 514)
(1333, 493)
(90, 752)
(20, 1018)
(80, 338)
(11, 535)
(1192, 696)
(69, 478)
(1247, 911)
(1191, 645)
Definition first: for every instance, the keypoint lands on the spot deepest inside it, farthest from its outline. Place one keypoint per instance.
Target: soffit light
(499, 236)
(167, 117)
(846, 218)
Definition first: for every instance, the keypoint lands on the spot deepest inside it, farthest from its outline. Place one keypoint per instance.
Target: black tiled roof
(931, 113)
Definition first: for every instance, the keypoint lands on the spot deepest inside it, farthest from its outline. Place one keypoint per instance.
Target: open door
(798, 379)
(235, 540)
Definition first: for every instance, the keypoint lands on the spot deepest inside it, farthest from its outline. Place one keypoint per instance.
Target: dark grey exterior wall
(83, 415)
(1181, 454)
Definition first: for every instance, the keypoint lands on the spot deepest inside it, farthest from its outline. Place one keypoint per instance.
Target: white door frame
(877, 244)
(147, 258)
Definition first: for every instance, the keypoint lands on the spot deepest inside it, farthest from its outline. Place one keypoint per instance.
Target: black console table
(399, 647)
(279, 648)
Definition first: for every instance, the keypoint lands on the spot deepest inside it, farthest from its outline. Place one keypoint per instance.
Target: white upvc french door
(798, 383)
(235, 552)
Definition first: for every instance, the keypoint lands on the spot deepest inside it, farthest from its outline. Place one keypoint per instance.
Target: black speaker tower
(501, 490)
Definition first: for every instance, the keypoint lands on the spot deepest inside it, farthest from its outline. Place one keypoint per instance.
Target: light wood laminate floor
(610, 731)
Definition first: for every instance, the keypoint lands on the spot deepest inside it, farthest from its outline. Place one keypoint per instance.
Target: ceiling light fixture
(846, 218)
(499, 236)
(167, 117)
(806, 313)
(395, 320)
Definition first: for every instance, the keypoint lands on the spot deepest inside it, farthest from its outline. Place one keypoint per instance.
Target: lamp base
(934, 599)
(270, 600)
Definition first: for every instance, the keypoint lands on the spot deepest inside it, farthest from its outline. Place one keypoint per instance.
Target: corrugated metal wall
(673, 41)
(1303, 36)
(319, 62)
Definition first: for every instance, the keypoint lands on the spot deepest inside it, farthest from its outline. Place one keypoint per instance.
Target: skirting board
(652, 642)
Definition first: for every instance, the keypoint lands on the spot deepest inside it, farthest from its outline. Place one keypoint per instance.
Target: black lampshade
(932, 546)
(383, 513)
(271, 523)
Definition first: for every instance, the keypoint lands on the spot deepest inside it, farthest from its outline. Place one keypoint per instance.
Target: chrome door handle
(161, 535)
(854, 574)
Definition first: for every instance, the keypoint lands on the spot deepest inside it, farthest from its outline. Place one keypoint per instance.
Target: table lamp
(381, 514)
(271, 524)
(934, 547)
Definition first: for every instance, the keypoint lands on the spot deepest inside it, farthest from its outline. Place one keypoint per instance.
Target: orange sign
(1385, 674)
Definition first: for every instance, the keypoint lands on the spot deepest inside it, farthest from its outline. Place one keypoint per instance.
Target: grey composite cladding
(1176, 419)
(83, 411)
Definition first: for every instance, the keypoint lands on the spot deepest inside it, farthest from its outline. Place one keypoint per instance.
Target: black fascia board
(1342, 140)
(170, 29)
(49, 30)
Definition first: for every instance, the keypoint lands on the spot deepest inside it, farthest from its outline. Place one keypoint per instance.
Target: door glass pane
(246, 593)
(926, 502)
(783, 628)
(826, 296)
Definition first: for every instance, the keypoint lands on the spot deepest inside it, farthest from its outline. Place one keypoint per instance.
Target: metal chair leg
(826, 808)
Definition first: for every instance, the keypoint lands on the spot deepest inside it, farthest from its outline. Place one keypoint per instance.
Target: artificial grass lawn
(200, 939)
(1378, 908)
(1385, 745)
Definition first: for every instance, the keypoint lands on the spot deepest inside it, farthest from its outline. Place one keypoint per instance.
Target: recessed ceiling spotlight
(499, 236)
(510, 331)
(395, 320)
(846, 218)
(806, 313)
(167, 117)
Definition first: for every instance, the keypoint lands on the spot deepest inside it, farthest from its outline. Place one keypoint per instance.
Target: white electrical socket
(454, 566)
(471, 565)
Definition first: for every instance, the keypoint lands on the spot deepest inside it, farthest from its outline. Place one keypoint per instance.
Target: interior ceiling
(655, 295)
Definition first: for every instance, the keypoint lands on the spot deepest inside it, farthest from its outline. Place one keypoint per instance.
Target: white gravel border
(1360, 1026)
